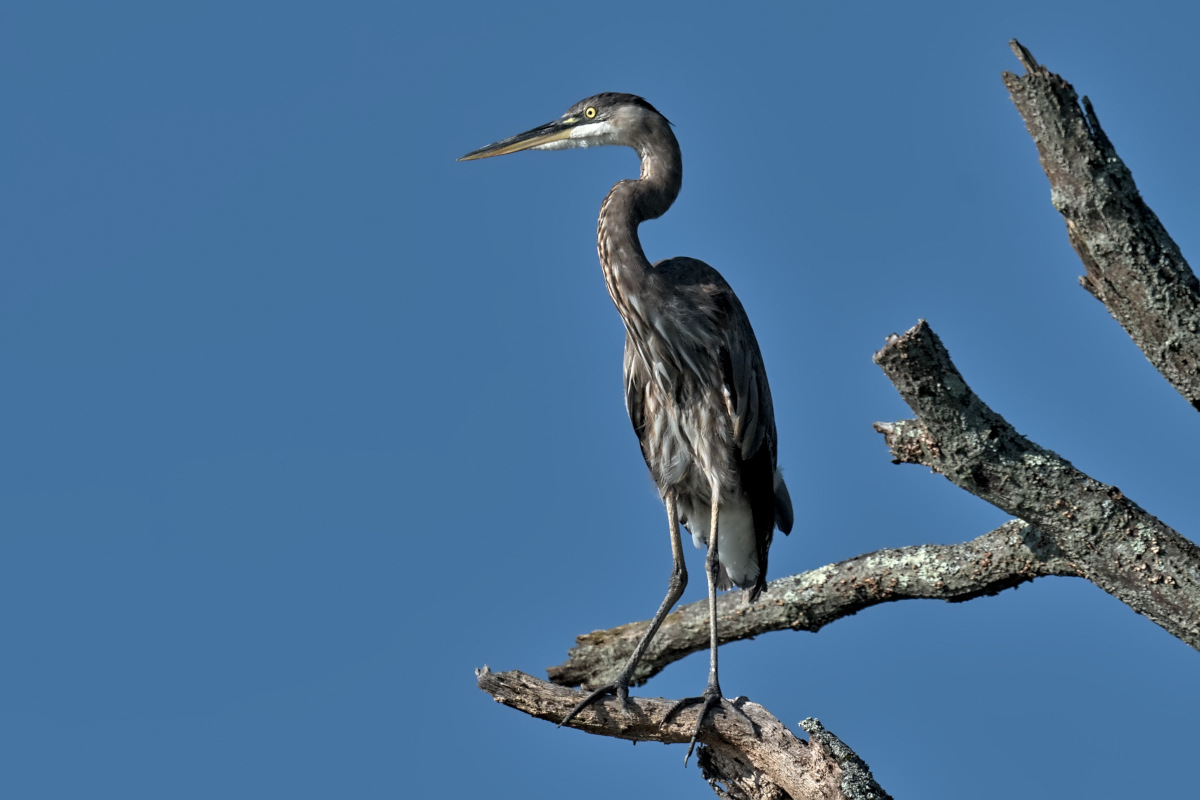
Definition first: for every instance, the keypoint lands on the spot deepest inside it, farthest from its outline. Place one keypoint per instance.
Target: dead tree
(1066, 523)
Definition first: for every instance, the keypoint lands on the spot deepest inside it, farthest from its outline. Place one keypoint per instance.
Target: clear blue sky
(304, 421)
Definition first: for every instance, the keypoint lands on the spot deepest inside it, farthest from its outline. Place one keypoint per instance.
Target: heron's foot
(619, 688)
(710, 700)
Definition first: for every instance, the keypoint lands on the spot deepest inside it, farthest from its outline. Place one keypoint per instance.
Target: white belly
(736, 547)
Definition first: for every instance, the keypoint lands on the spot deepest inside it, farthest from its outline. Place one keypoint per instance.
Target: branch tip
(1024, 56)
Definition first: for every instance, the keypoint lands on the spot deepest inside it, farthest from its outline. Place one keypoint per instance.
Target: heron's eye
(590, 113)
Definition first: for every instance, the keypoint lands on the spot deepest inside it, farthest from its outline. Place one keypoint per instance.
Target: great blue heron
(695, 386)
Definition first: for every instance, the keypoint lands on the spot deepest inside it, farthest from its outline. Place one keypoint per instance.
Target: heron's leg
(712, 692)
(675, 587)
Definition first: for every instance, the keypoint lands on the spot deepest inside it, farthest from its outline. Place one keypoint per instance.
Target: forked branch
(1070, 524)
(1104, 536)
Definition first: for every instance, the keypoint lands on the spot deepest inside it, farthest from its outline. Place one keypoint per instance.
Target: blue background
(304, 421)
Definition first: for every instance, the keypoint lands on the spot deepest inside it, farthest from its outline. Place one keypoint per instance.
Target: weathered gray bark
(1105, 536)
(766, 762)
(1132, 264)
(1068, 523)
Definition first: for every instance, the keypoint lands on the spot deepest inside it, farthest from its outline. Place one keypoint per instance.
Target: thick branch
(1133, 266)
(1012, 554)
(739, 762)
(1103, 535)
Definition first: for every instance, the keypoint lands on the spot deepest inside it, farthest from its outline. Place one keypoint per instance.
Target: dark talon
(621, 690)
(711, 699)
(736, 705)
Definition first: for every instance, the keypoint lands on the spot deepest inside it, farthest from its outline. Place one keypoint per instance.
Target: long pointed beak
(554, 131)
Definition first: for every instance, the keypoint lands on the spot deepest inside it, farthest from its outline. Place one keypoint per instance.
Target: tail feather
(783, 505)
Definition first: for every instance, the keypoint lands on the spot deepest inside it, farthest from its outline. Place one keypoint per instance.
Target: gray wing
(749, 395)
(752, 412)
(718, 317)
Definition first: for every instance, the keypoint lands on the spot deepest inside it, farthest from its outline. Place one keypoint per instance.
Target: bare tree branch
(1012, 554)
(1104, 535)
(1073, 525)
(1133, 266)
(769, 763)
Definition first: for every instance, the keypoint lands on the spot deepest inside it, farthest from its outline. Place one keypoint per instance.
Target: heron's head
(609, 118)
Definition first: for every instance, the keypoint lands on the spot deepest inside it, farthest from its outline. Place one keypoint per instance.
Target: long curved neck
(627, 205)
